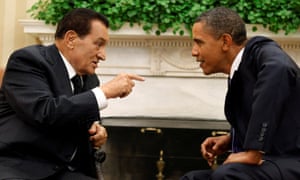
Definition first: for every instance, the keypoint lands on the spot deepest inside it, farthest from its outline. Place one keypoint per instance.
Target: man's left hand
(253, 157)
(98, 134)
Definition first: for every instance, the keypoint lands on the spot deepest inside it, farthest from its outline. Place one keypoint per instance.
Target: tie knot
(77, 83)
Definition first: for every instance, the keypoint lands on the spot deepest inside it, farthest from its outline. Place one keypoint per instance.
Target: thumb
(93, 129)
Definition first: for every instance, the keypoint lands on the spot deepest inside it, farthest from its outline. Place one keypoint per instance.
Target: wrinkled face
(207, 50)
(90, 49)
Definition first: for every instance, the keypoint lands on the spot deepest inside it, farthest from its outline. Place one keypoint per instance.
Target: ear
(70, 38)
(227, 41)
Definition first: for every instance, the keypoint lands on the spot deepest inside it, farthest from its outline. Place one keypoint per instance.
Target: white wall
(12, 35)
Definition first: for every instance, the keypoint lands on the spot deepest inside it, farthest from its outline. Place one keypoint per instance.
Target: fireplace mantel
(176, 94)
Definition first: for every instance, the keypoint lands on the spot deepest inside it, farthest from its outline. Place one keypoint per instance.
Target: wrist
(256, 155)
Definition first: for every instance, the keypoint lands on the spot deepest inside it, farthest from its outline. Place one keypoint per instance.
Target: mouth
(95, 62)
(201, 61)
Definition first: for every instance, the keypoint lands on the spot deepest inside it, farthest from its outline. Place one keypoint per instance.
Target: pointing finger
(136, 77)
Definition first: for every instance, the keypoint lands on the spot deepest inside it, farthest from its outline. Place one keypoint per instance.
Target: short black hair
(222, 20)
(79, 20)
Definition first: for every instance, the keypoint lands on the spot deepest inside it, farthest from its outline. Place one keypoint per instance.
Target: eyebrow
(101, 39)
(198, 41)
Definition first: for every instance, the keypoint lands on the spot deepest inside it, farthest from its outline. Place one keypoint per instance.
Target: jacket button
(261, 138)
(264, 125)
(56, 168)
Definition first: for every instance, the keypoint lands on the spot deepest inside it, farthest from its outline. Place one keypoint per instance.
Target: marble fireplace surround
(176, 94)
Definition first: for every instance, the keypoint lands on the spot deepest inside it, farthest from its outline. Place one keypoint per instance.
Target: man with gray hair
(50, 101)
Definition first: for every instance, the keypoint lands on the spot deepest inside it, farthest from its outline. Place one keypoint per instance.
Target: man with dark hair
(262, 101)
(50, 101)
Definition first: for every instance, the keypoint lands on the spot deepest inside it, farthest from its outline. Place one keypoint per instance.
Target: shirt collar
(236, 63)
(70, 69)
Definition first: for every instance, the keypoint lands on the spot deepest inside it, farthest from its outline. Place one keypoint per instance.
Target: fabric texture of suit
(263, 100)
(41, 121)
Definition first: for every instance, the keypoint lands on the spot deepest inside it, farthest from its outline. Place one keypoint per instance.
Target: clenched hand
(98, 134)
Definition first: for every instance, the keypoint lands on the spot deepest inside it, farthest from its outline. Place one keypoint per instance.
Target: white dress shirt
(99, 94)
(236, 63)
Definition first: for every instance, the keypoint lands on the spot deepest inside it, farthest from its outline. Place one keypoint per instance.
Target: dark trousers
(283, 169)
(64, 176)
(68, 175)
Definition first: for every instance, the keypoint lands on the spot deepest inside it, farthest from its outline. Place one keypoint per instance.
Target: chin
(91, 71)
(206, 72)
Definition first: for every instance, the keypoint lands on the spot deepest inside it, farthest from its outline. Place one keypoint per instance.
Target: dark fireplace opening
(133, 153)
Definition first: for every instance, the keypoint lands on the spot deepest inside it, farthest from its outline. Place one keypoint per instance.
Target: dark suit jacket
(263, 100)
(41, 122)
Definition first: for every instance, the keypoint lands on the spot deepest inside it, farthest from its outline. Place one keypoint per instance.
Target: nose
(195, 51)
(101, 55)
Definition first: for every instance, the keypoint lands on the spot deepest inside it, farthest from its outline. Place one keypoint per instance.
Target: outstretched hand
(120, 86)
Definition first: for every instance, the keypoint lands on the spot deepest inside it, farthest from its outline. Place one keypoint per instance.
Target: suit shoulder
(32, 48)
(30, 53)
(259, 42)
(27, 52)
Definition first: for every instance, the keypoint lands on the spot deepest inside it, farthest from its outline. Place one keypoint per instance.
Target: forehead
(200, 31)
(99, 30)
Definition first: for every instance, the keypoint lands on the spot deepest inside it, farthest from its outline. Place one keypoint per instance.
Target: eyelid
(100, 43)
(197, 41)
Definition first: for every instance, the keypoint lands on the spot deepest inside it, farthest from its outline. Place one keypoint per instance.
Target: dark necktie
(77, 83)
(234, 146)
(78, 86)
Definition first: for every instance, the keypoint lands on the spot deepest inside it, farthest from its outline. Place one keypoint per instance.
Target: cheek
(210, 51)
(204, 52)
(86, 57)
(91, 53)
(79, 53)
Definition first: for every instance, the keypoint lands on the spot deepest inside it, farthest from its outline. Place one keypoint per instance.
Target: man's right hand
(120, 86)
(213, 146)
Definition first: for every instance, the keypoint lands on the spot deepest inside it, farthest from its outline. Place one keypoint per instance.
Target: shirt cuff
(100, 97)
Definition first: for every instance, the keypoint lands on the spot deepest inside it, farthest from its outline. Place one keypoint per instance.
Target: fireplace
(136, 144)
(133, 153)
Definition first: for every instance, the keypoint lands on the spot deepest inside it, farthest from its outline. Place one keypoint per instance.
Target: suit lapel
(53, 57)
(231, 96)
(62, 78)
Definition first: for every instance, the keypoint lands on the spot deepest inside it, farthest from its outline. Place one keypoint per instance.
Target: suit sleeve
(276, 76)
(31, 87)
